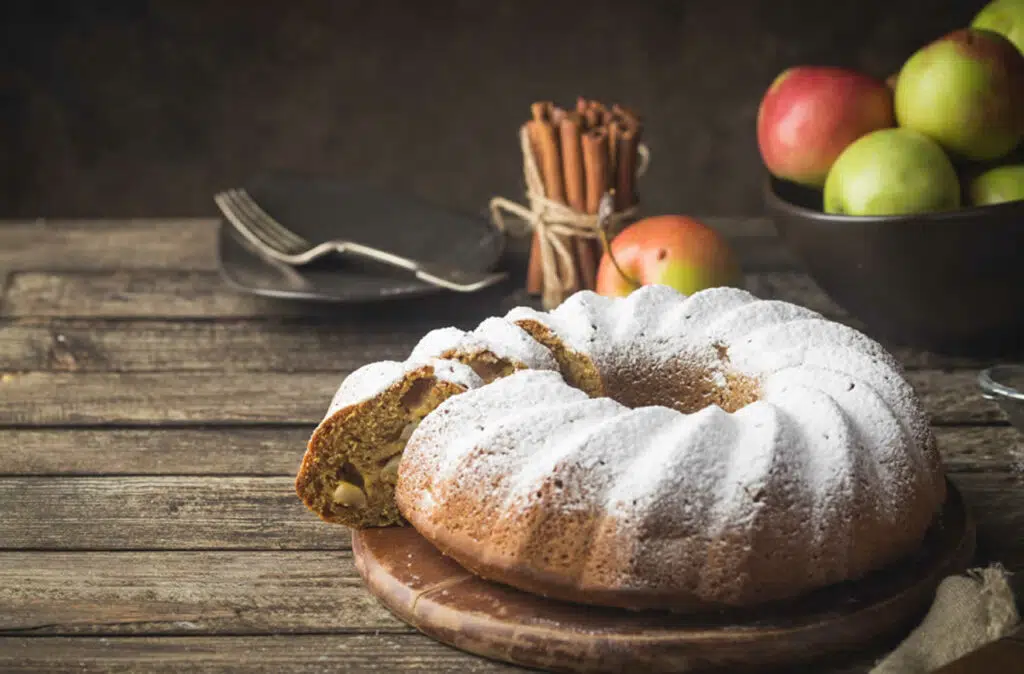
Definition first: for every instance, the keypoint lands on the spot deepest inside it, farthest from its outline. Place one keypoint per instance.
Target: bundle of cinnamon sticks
(582, 154)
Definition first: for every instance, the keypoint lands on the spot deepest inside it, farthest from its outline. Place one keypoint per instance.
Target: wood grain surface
(187, 593)
(151, 420)
(266, 654)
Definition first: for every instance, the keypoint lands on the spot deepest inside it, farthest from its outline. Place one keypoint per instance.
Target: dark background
(146, 108)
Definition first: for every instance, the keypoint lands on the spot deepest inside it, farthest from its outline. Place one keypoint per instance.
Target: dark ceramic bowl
(950, 282)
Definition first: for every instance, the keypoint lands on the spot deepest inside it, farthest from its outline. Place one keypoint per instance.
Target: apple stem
(604, 211)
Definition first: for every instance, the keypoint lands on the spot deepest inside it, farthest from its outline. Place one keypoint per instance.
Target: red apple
(671, 250)
(809, 115)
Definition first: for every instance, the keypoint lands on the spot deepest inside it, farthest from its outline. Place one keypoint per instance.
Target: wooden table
(151, 421)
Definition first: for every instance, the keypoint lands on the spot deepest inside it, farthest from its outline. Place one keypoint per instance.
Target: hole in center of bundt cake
(688, 383)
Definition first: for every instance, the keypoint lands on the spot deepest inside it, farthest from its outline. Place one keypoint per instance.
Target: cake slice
(350, 467)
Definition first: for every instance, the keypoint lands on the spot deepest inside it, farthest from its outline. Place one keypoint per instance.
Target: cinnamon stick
(548, 159)
(625, 173)
(550, 165)
(575, 193)
(572, 161)
(534, 268)
(595, 165)
(614, 133)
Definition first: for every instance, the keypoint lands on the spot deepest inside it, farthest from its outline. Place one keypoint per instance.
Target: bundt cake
(666, 451)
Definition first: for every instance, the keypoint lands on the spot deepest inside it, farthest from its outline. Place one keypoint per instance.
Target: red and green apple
(966, 91)
(672, 250)
(809, 115)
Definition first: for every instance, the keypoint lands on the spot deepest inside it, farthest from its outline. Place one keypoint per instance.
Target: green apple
(892, 172)
(1005, 17)
(965, 90)
(998, 185)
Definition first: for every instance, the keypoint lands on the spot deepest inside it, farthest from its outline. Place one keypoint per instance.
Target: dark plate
(318, 209)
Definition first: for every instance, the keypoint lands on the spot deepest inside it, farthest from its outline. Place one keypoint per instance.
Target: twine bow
(555, 222)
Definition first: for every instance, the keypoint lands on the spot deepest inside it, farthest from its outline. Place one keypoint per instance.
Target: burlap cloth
(968, 612)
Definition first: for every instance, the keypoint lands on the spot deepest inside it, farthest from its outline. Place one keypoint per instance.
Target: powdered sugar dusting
(828, 443)
(682, 456)
(365, 383)
(496, 335)
(739, 321)
(597, 445)
(837, 348)
(436, 342)
(508, 340)
(689, 317)
(749, 461)
(579, 321)
(376, 378)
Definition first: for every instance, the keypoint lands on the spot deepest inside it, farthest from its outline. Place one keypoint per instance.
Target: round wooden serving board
(438, 597)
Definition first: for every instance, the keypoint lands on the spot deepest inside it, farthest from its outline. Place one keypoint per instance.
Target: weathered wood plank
(997, 501)
(38, 398)
(275, 451)
(126, 294)
(45, 398)
(148, 346)
(109, 244)
(175, 513)
(161, 513)
(289, 345)
(164, 294)
(953, 397)
(270, 654)
(981, 448)
(197, 294)
(186, 593)
(148, 451)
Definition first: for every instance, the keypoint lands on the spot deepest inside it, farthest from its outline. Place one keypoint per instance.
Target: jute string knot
(555, 222)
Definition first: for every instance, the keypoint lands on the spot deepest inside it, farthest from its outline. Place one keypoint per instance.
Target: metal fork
(279, 243)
